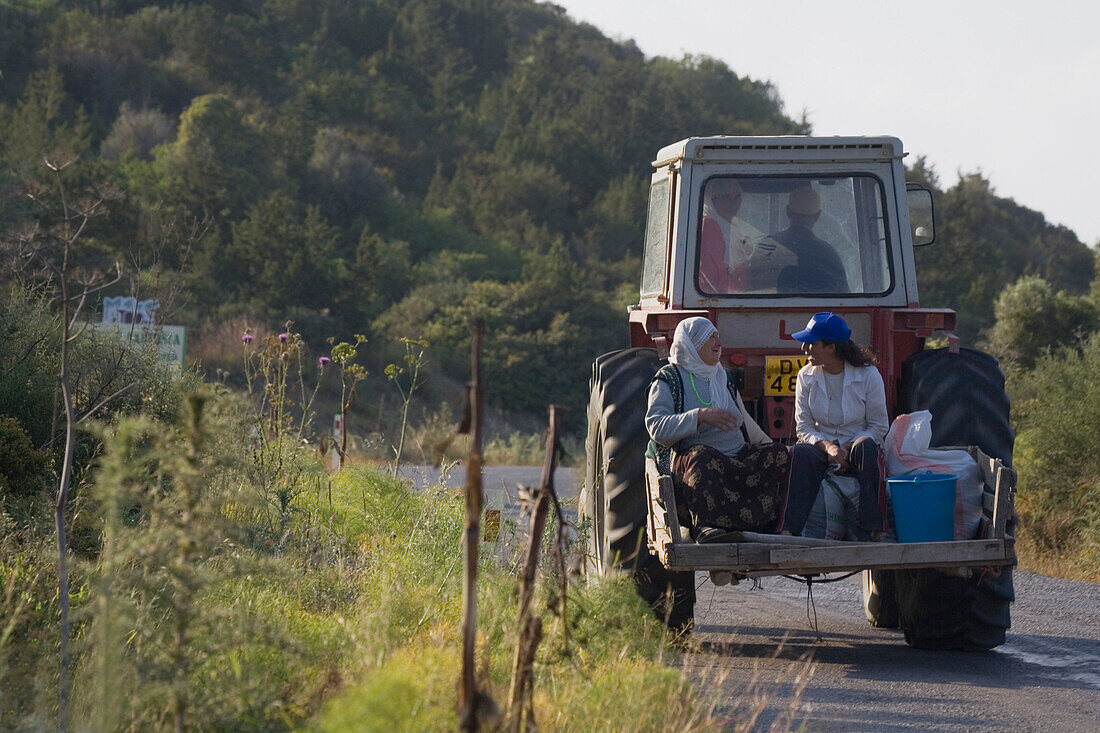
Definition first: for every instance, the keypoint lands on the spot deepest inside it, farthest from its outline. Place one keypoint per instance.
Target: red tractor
(804, 224)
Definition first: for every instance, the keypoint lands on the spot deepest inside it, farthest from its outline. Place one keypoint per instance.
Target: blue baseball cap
(824, 327)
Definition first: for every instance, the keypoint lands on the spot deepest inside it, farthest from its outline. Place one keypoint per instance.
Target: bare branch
(117, 393)
(76, 310)
(58, 167)
(93, 289)
(78, 334)
(162, 272)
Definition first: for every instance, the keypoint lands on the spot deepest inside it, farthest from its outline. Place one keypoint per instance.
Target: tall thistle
(407, 379)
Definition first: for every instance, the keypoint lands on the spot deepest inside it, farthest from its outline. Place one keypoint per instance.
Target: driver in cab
(818, 268)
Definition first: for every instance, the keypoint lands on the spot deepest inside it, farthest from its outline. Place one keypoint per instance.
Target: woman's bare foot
(786, 533)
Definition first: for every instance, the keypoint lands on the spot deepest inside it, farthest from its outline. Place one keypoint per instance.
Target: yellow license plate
(781, 374)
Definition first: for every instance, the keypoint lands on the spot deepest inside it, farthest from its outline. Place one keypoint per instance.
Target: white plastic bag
(907, 452)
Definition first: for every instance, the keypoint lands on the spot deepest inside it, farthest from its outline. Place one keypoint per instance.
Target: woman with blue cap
(728, 473)
(841, 422)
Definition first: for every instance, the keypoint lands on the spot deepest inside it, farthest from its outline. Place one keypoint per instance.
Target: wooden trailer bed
(749, 554)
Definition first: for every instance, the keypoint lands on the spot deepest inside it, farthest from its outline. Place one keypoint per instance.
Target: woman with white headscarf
(725, 247)
(730, 476)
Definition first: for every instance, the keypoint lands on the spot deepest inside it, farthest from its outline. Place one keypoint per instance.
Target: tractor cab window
(655, 261)
(792, 236)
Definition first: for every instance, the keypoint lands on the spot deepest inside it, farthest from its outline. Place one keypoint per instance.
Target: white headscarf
(738, 243)
(690, 334)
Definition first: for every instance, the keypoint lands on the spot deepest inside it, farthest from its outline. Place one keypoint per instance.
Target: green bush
(29, 350)
(1057, 455)
(22, 468)
(1032, 318)
(28, 625)
(199, 615)
(109, 377)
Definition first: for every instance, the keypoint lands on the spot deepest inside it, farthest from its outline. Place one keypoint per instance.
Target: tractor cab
(760, 233)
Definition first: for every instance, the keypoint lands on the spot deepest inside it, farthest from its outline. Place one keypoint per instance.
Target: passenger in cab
(725, 246)
(728, 474)
(841, 422)
(818, 268)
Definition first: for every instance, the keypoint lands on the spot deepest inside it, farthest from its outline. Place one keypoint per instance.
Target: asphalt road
(822, 666)
(1045, 678)
(500, 485)
(493, 478)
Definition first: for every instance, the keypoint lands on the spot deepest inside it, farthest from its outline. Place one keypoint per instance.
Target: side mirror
(921, 217)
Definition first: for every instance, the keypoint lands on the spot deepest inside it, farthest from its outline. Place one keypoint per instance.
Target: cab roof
(731, 147)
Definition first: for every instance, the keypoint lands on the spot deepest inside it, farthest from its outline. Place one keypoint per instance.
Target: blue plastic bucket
(924, 506)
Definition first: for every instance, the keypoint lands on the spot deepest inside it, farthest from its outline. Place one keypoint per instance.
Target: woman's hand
(719, 418)
(838, 454)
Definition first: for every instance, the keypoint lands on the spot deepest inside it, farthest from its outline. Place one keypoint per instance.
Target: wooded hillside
(400, 168)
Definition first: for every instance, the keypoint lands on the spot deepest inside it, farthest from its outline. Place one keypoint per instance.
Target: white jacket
(863, 405)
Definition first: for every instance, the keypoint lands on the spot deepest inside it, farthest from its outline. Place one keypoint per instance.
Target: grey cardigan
(682, 429)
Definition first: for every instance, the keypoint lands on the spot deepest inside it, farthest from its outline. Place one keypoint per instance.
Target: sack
(834, 509)
(906, 452)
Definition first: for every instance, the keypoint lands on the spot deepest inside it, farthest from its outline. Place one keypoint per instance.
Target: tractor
(758, 286)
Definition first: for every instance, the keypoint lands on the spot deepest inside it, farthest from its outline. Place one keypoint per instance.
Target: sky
(1010, 89)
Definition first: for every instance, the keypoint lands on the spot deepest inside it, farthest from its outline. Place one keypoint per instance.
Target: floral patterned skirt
(745, 492)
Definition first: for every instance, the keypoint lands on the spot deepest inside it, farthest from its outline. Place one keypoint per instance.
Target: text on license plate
(781, 373)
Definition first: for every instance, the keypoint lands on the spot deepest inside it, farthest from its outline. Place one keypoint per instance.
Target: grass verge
(345, 615)
(610, 675)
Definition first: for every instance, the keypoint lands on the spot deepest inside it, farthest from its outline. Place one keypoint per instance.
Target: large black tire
(965, 394)
(614, 497)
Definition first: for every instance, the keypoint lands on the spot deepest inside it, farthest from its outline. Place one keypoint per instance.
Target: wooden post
(468, 698)
(553, 447)
(520, 711)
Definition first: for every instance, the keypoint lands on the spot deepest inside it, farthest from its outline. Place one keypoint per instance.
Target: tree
(346, 184)
(54, 246)
(135, 132)
(282, 256)
(218, 163)
(1032, 319)
(985, 242)
(40, 125)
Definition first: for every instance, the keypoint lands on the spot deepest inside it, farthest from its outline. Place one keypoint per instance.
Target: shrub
(1057, 415)
(195, 622)
(28, 630)
(29, 341)
(1032, 318)
(136, 132)
(109, 377)
(22, 468)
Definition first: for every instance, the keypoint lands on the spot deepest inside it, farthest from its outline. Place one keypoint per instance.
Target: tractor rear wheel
(879, 600)
(614, 495)
(965, 394)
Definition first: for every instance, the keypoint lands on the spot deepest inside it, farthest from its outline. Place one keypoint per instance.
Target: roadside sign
(128, 309)
(171, 340)
(494, 503)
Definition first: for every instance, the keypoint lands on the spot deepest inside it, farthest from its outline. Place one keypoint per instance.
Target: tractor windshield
(771, 235)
